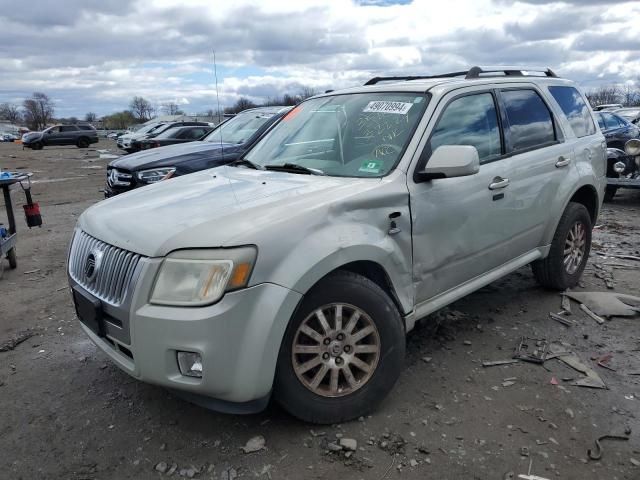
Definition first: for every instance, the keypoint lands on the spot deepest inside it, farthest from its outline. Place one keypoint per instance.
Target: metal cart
(8, 242)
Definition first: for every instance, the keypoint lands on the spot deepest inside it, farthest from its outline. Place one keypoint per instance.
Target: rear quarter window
(530, 123)
(575, 109)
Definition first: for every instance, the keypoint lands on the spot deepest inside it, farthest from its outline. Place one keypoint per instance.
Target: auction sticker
(400, 108)
(371, 166)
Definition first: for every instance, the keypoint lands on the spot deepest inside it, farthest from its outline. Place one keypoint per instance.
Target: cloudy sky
(94, 55)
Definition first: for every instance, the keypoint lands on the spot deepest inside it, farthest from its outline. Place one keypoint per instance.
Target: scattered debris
(604, 360)
(161, 467)
(348, 444)
(566, 304)
(554, 381)
(597, 454)
(634, 462)
(17, 340)
(496, 363)
(586, 310)
(569, 412)
(508, 383)
(591, 379)
(426, 359)
(608, 304)
(254, 444)
(28, 272)
(567, 322)
(532, 350)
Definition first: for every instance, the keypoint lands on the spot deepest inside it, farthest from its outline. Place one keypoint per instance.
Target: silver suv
(297, 270)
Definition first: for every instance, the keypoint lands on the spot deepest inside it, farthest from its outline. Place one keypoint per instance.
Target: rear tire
(569, 250)
(354, 370)
(610, 192)
(83, 143)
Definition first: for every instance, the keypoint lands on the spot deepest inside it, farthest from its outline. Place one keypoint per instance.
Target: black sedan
(617, 132)
(226, 143)
(175, 135)
(616, 129)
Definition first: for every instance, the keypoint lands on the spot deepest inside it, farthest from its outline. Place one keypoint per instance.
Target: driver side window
(469, 120)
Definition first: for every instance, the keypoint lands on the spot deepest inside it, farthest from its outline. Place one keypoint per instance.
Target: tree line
(37, 111)
(627, 95)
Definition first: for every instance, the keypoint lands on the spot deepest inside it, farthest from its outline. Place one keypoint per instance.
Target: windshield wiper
(293, 168)
(246, 163)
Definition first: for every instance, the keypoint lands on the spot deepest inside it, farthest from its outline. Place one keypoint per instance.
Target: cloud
(97, 54)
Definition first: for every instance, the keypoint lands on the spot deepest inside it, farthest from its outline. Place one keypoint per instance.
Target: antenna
(215, 72)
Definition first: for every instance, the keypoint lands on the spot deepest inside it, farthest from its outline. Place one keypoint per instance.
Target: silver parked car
(297, 270)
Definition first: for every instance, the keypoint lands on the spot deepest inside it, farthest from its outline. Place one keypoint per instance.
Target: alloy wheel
(336, 350)
(574, 248)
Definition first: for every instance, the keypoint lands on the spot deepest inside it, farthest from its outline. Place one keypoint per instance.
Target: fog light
(190, 364)
(619, 167)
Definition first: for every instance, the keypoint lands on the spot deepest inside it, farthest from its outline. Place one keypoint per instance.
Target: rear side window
(85, 127)
(68, 128)
(575, 109)
(469, 120)
(530, 121)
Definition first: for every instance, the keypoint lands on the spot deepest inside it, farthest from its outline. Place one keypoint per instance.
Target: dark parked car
(616, 129)
(621, 167)
(630, 114)
(136, 143)
(225, 143)
(80, 135)
(174, 135)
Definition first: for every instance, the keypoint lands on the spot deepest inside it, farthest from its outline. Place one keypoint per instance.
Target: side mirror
(449, 161)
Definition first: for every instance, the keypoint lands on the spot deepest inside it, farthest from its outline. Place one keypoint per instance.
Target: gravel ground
(68, 413)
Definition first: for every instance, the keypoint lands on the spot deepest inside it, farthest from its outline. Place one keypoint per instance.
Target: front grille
(102, 269)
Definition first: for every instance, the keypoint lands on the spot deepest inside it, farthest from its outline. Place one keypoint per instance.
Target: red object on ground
(554, 381)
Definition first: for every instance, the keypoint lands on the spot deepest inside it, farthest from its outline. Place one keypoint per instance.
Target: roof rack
(473, 72)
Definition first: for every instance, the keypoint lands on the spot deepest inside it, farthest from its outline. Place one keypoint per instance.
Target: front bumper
(238, 338)
(623, 182)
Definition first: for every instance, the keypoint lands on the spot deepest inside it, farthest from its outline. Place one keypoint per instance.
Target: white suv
(297, 270)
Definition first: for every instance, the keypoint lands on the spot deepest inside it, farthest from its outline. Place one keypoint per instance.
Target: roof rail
(473, 72)
(509, 71)
(375, 80)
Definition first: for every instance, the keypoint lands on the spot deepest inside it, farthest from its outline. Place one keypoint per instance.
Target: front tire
(342, 352)
(13, 260)
(83, 143)
(569, 252)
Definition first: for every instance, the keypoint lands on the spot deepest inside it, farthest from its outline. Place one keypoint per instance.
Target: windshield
(169, 132)
(356, 135)
(239, 128)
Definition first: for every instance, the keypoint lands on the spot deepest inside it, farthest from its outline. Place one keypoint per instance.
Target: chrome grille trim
(116, 271)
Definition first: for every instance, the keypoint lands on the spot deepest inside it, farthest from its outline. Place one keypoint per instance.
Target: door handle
(498, 183)
(563, 161)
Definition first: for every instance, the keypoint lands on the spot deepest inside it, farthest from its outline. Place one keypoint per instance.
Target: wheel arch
(585, 194)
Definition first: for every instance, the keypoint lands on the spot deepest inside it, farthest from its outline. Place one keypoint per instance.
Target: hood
(224, 206)
(31, 135)
(169, 155)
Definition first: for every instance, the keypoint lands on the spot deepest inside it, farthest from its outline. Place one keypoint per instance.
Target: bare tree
(172, 108)
(242, 104)
(10, 112)
(119, 120)
(630, 95)
(306, 92)
(141, 108)
(38, 110)
(604, 95)
(90, 117)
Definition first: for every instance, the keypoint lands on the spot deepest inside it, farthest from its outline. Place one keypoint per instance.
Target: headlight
(201, 277)
(155, 174)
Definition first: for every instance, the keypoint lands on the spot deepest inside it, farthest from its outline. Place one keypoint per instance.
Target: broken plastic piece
(591, 379)
(563, 320)
(608, 304)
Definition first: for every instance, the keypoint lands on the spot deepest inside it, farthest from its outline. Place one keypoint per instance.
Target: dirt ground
(68, 413)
